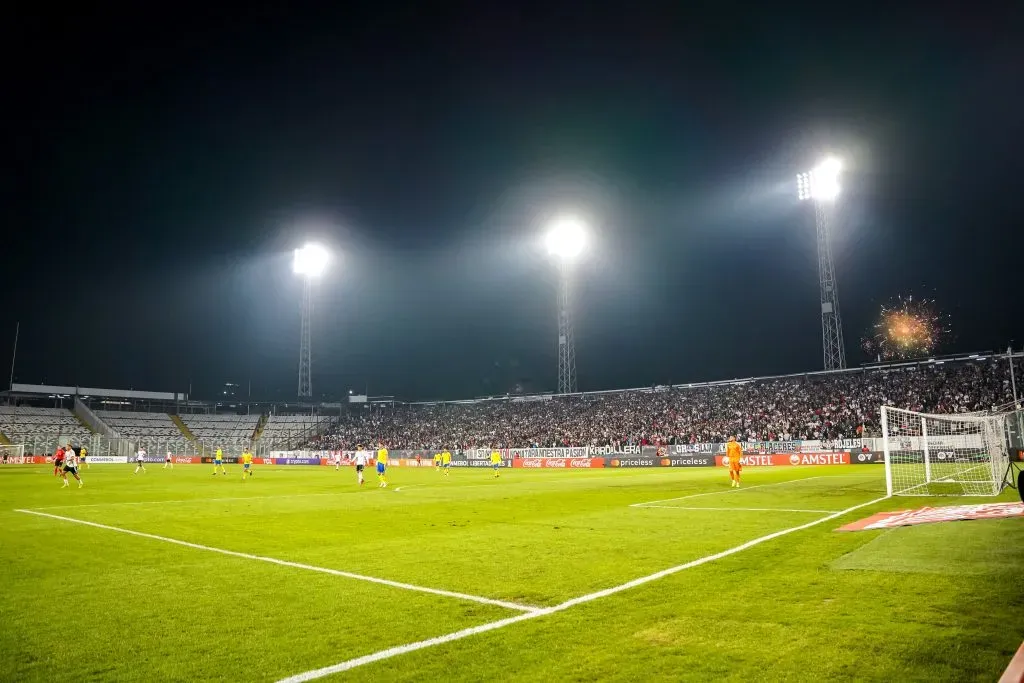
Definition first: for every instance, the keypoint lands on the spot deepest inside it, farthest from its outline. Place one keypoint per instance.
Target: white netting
(944, 455)
(12, 454)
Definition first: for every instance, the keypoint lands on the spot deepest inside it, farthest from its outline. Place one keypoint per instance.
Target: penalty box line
(651, 503)
(502, 623)
(296, 565)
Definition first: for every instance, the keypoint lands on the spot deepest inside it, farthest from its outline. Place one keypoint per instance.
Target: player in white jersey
(360, 465)
(71, 465)
(337, 461)
(140, 461)
(168, 462)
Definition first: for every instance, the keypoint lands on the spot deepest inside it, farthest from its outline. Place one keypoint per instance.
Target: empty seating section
(134, 424)
(221, 429)
(284, 429)
(28, 425)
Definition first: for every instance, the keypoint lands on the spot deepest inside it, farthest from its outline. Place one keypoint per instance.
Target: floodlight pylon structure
(310, 262)
(820, 186)
(565, 242)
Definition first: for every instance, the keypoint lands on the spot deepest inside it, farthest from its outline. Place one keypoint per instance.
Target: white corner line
(491, 626)
(296, 565)
(679, 507)
(730, 490)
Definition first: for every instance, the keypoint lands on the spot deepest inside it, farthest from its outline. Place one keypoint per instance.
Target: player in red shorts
(58, 461)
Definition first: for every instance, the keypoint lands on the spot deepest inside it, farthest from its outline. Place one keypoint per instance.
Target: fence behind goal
(945, 455)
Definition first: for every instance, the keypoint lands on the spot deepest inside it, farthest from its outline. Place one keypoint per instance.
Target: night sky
(162, 168)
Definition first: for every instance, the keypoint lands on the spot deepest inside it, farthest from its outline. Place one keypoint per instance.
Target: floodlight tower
(821, 186)
(565, 240)
(310, 262)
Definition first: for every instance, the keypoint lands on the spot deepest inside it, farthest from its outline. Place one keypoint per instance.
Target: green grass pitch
(81, 603)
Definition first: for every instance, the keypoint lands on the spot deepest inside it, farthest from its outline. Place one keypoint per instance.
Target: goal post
(12, 454)
(944, 455)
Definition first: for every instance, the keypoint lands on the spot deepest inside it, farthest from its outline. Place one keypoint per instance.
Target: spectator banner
(105, 459)
(558, 463)
(684, 448)
(614, 450)
(782, 459)
(568, 452)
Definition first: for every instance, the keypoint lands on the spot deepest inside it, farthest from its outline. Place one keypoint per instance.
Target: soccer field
(664, 574)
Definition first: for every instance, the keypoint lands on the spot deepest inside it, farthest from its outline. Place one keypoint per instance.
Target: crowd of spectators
(831, 406)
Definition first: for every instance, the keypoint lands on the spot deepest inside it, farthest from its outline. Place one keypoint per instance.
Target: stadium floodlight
(310, 262)
(821, 184)
(566, 240)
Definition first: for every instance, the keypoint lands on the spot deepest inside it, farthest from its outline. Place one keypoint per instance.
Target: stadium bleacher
(139, 424)
(813, 406)
(222, 429)
(41, 428)
(285, 430)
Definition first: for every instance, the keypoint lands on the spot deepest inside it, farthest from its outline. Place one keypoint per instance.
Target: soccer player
(58, 461)
(168, 462)
(496, 462)
(218, 461)
(82, 455)
(71, 465)
(360, 465)
(337, 461)
(734, 451)
(446, 461)
(382, 465)
(246, 463)
(437, 461)
(140, 461)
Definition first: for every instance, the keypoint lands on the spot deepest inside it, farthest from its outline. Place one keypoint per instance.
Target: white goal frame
(15, 453)
(944, 455)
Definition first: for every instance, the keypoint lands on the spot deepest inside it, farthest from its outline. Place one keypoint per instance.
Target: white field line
(189, 500)
(677, 507)
(296, 565)
(491, 626)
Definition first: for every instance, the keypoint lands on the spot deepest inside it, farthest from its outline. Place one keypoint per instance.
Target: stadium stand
(288, 430)
(814, 406)
(139, 424)
(40, 429)
(223, 429)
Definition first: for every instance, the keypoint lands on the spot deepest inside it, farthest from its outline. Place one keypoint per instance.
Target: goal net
(12, 454)
(944, 455)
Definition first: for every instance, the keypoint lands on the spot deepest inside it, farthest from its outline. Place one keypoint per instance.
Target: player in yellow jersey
(218, 461)
(82, 455)
(382, 466)
(734, 451)
(496, 462)
(437, 461)
(246, 464)
(446, 461)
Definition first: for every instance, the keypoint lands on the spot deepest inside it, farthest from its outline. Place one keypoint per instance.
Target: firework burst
(907, 328)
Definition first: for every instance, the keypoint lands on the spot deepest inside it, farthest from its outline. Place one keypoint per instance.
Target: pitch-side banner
(783, 459)
(558, 463)
(107, 459)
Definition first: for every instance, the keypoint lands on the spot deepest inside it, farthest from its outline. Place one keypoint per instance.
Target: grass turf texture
(931, 602)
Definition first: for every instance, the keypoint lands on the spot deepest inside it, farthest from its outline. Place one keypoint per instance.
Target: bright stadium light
(566, 238)
(311, 260)
(821, 184)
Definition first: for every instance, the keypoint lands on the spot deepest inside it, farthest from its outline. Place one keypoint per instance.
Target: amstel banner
(784, 459)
